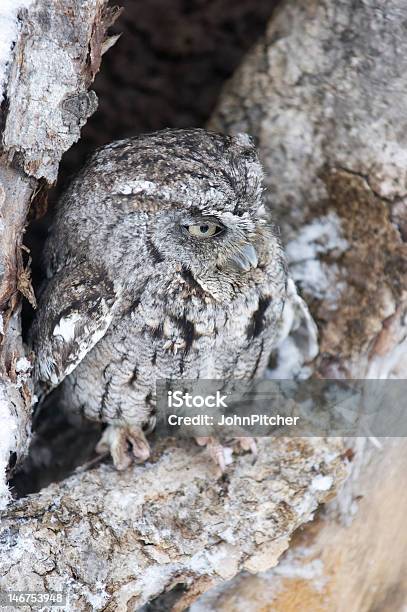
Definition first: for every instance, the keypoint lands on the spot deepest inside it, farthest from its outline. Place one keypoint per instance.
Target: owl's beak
(244, 259)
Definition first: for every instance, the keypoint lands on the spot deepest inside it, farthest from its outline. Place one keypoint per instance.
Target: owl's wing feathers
(76, 309)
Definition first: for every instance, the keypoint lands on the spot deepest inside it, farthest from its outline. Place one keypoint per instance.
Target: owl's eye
(204, 230)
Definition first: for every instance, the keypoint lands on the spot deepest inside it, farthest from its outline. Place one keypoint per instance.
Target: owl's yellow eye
(204, 230)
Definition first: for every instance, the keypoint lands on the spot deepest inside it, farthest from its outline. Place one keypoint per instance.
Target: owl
(160, 264)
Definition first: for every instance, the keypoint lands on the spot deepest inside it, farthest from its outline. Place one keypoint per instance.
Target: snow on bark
(8, 429)
(9, 27)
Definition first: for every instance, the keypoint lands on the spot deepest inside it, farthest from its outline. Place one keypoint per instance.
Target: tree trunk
(56, 54)
(324, 95)
(357, 564)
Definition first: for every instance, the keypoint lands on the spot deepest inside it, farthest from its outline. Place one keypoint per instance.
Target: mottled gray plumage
(132, 296)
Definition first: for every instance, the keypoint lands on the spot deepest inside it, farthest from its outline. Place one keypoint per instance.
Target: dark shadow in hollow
(57, 448)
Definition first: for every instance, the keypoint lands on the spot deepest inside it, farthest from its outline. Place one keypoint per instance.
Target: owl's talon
(222, 455)
(117, 439)
(219, 453)
(248, 444)
(140, 446)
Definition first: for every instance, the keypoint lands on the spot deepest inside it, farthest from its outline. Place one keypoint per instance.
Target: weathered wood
(324, 94)
(54, 59)
(57, 55)
(359, 564)
(15, 387)
(115, 540)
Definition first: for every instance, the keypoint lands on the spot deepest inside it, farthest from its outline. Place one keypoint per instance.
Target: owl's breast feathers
(115, 291)
(182, 317)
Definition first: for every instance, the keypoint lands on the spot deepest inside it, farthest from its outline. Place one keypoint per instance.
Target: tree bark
(113, 541)
(324, 95)
(359, 564)
(55, 57)
(16, 191)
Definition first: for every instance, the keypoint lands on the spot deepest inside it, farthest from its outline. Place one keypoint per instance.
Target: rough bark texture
(53, 61)
(114, 541)
(359, 565)
(56, 57)
(324, 94)
(15, 387)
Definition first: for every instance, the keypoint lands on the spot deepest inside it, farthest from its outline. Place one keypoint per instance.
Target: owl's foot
(125, 444)
(223, 455)
(219, 453)
(247, 444)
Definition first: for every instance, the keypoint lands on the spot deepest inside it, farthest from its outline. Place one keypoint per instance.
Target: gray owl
(160, 265)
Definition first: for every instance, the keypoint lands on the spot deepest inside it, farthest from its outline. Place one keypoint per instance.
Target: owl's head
(202, 193)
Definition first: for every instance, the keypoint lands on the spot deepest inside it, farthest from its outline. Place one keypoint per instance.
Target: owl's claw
(219, 453)
(222, 455)
(248, 444)
(117, 440)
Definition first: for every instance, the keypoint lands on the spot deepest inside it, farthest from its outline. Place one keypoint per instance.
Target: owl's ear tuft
(244, 140)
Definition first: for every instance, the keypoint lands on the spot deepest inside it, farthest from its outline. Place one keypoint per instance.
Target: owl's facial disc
(209, 243)
(236, 256)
